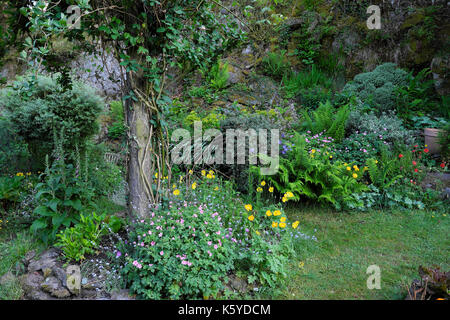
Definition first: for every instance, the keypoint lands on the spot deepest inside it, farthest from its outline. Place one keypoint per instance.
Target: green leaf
(42, 211)
(77, 205)
(53, 204)
(38, 224)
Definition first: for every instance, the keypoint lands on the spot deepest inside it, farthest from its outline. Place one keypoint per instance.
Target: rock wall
(413, 34)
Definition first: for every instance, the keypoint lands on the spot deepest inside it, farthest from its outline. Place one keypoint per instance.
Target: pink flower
(161, 253)
(216, 246)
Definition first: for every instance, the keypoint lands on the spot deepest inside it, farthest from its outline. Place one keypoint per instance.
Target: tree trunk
(140, 158)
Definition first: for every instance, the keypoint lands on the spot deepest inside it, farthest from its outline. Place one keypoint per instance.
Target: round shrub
(36, 106)
(379, 86)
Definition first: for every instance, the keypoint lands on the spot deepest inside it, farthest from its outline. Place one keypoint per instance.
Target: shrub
(387, 125)
(14, 155)
(360, 146)
(238, 121)
(10, 190)
(36, 106)
(181, 253)
(309, 99)
(378, 87)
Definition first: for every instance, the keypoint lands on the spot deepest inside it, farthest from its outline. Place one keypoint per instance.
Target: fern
(315, 178)
(382, 175)
(326, 119)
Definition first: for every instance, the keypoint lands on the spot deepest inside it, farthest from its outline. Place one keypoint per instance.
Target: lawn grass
(347, 243)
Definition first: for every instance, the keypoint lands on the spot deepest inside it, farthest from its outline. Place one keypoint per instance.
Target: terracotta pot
(432, 139)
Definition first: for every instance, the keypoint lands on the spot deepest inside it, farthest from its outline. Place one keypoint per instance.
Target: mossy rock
(413, 20)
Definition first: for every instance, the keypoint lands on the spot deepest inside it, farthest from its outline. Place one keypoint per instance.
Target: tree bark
(140, 159)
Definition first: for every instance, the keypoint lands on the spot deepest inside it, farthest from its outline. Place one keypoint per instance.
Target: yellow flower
(268, 213)
(176, 192)
(277, 213)
(259, 189)
(331, 157)
(274, 224)
(348, 168)
(194, 185)
(355, 175)
(271, 189)
(174, 186)
(251, 218)
(365, 168)
(284, 199)
(216, 188)
(263, 183)
(257, 232)
(191, 172)
(283, 219)
(289, 194)
(28, 173)
(211, 172)
(282, 225)
(295, 224)
(156, 174)
(248, 207)
(209, 176)
(203, 172)
(313, 151)
(301, 264)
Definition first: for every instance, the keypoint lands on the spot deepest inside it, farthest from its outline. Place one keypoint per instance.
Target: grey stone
(60, 274)
(53, 286)
(7, 278)
(30, 255)
(46, 261)
(121, 295)
(31, 283)
(446, 193)
(40, 295)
